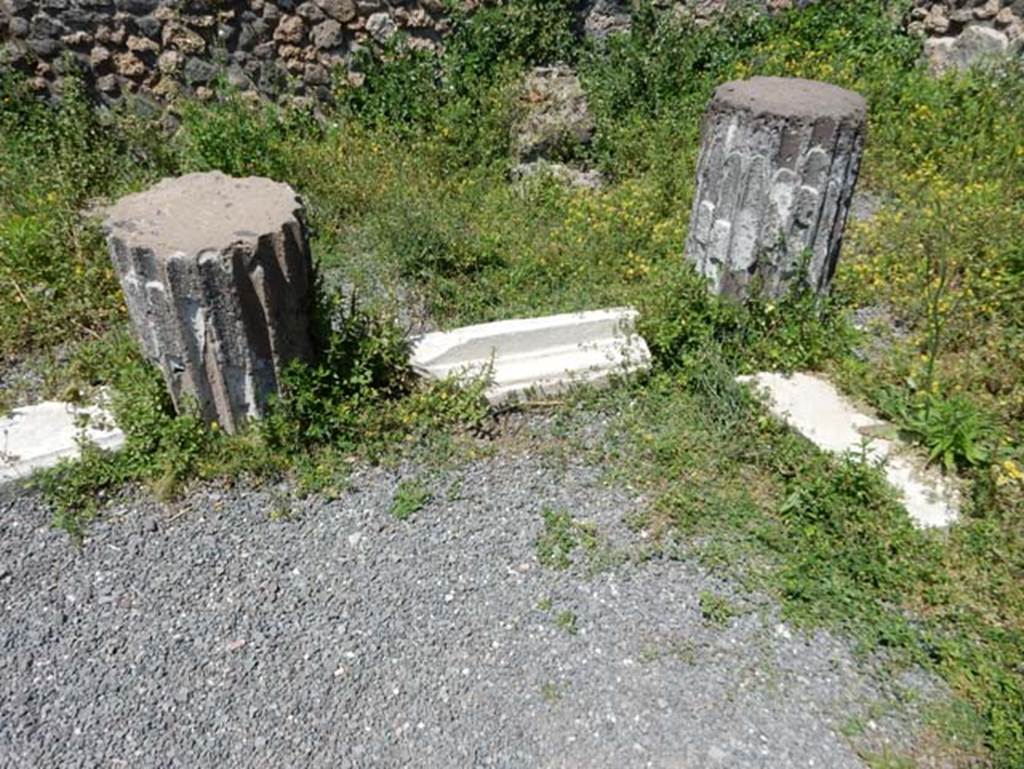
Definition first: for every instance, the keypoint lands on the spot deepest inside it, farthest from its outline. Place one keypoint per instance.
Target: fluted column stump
(778, 163)
(217, 276)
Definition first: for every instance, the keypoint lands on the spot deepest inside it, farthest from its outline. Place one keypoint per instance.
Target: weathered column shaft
(778, 163)
(217, 275)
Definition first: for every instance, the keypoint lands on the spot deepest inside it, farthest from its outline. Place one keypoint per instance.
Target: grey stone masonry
(958, 34)
(217, 275)
(778, 163)
(147, 53)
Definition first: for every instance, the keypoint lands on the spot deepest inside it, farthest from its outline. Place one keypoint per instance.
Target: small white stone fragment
(814, 408)
(546, 355)
(34, 437)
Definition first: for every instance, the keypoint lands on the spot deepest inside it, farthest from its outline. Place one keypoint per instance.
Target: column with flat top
(778, 163)
(217, 276)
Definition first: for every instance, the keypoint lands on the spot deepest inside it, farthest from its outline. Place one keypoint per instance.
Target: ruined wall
(957, 33)
(159, 48)
(156, 49)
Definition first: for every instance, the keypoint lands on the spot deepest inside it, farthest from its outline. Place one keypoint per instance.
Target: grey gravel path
(211, 635)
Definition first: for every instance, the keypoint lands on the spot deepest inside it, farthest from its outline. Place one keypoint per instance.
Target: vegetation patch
(716, 609)
(556, 543)
(567, 621)
(410, 497)
(563, 536)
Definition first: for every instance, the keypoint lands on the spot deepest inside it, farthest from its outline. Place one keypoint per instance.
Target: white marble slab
(38, 436)
(813, 407)
(544, 355)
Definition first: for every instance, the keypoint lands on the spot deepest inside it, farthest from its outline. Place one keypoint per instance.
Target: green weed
(551, 692)
(955, 432)
(567, 621)
(160, 448)
(716, 609)
(362, 363)
(281, 509)
(890, 760)
(555, 545)
(410, 497)
(241, 138)
(55, 278)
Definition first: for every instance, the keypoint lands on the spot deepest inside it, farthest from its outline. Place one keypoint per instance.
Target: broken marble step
(814, 408)
(39, 436)
(546, 355)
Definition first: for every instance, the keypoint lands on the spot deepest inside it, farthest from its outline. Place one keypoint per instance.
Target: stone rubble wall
(160, 48)
(157, 49)
(958, 33)
(601, 18)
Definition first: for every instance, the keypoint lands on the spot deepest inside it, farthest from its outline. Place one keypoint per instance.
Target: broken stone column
(778, 163)
(217, 275)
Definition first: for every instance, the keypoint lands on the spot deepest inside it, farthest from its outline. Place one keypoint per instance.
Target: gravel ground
(217, 634)
(21, 383)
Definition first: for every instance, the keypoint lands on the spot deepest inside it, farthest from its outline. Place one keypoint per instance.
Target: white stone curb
(34, 437)
(546, 355)
(814, 408)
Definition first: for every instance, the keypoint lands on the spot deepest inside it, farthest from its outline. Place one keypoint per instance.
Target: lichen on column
(778, 163)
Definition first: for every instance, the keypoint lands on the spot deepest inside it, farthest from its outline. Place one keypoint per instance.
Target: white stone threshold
(39, 436)
(542, 355)
(817, 410)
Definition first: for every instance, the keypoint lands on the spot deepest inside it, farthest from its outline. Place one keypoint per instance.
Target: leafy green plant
(716, 609)
(890, 760)
(160, 447)
(281, 509)
(55, 277)
(551, 692)
(953, 430)
(401, 89)
(800, 330)
(362, 364)
(462, 95)
(241, 137)
(527, 32)
(854, 545)
(558, 540)
(429, 241)
(410, 497)
(567, 621)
